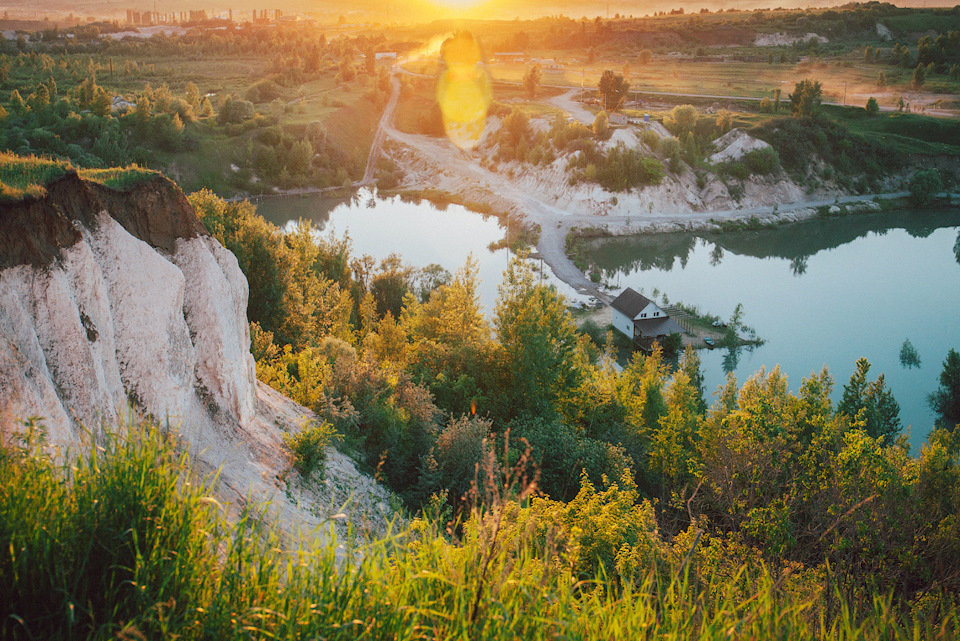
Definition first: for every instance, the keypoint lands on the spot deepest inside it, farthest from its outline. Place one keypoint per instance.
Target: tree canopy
(806, 98)
(613, 89)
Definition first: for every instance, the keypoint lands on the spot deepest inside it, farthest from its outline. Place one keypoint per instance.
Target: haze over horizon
(387, 11)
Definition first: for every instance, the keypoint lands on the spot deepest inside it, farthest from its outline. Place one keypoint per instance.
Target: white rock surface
(116, 326)
(734, 145)
(782, 38)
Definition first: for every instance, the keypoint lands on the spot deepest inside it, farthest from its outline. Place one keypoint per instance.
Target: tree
(613, 88)
(924, 185)
(391, 284)
(516, 127)
(881, 79)
(370, 61)
(206, 109)
(538, 340)
(192, 95)
(144, 111)
(776, 99)
(39, 100)
(871, 403)
(872, 108)
(644, 56)
(531, 80)
(724, 120)
(919, 76)
(300, 157)
(945, 401)
(17, 103)
(806, 98)
(682, 120)
(235, 110)
(101, 105)
(601, 126)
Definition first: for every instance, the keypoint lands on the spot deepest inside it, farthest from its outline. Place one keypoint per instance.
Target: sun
(457, 6)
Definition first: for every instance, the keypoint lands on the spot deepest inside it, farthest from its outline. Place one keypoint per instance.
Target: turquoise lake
(819, 293)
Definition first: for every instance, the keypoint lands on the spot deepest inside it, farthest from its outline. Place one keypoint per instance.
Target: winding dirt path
(385, 120)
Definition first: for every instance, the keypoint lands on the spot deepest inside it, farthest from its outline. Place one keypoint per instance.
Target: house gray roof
(653, 327)
(630, 302)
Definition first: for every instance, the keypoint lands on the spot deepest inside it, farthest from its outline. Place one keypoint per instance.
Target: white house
(639, 318)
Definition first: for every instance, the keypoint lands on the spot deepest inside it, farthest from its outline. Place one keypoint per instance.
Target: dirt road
(555, 223)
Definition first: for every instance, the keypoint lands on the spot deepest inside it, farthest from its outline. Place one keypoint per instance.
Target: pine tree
(919, 76)
(945, 401)
(870, 402)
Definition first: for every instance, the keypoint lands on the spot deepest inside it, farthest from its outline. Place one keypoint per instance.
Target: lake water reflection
(420, 232)
(820, 293)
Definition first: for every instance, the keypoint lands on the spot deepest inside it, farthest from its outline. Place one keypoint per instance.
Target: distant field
(846, 79)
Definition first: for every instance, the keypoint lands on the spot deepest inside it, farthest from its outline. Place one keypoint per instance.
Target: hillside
(119, 306)
(554, 496)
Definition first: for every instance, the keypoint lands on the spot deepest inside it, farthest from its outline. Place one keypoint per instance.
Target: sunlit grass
(27, 176)
(125, 542)
(24, 177)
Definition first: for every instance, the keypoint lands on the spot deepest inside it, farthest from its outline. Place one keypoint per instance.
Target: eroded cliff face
(109, 298)
(117, 301)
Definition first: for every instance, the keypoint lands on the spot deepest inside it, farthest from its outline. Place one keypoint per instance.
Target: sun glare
(428, 51)
(457, 5)
(464, 90)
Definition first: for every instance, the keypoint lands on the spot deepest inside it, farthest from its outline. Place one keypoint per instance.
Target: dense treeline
(423, 386)
(93, 105)
(671, 31)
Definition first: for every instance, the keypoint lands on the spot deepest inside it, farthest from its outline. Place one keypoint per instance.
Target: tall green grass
(123, 542)
(24, 177)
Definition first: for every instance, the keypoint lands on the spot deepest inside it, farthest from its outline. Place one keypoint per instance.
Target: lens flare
(463, 90)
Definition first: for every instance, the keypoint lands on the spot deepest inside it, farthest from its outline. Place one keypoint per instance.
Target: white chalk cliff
(115, 301)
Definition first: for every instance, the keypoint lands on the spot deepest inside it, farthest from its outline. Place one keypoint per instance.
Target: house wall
(623, 323)
(651, 311)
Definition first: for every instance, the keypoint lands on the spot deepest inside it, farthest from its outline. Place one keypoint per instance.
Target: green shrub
(668, 147)
(673, 343)
(263, 91)
(924, 185)
(738, 170)
(235, 111)
(650, 138)
(309, 446)
(762, 161)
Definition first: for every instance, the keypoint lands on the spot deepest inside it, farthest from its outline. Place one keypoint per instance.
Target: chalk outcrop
(112, 303)
(108, 301)
(734, 145)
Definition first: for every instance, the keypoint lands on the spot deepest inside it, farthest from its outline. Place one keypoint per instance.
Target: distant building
(386, 55)
(510, 56)
(550, 65)
(640, 319)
